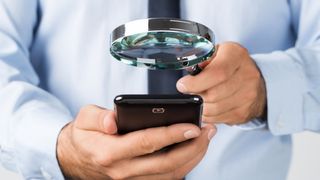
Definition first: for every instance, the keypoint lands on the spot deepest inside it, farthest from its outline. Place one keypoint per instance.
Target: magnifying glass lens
(162, 49)
(167, 44)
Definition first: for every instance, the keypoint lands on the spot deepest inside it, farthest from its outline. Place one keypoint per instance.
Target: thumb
(95, 118)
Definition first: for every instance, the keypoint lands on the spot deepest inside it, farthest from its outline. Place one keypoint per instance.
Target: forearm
(30, 118)
(293, 86)
(30, 121)
(293, 76)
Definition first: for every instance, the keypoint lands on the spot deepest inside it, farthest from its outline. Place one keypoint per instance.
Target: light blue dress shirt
(54, 59)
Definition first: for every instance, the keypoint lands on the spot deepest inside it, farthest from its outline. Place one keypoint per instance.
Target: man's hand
(89, 148)
(231, 85)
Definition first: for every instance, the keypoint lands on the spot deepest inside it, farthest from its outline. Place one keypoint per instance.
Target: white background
(305, 163)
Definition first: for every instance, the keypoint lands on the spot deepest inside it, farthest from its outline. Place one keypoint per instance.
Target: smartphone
(136, 112)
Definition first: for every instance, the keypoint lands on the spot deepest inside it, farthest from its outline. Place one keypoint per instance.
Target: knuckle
(104, 160)
(145, 143)
(240, 49)
(117, 174)
(85, 109)
(235, 47)
(105, 114)
(82, 111)
(88, 107)
(243, 51)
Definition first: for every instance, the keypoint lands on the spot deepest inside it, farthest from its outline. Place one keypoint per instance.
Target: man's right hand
(89, 148)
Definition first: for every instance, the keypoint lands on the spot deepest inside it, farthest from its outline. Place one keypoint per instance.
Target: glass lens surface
(162, 49)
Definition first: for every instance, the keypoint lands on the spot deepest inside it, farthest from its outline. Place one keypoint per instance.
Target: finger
(178, 174)
(223, 90)
(236, 116)
(225, 105)
(219, 70)
(173, 159)
(247, 93)
(94, 118)
(145, 141)
(184, 170)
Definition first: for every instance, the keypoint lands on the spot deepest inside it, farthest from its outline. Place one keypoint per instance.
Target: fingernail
(211, 134)
(181, 87)
(191, 134)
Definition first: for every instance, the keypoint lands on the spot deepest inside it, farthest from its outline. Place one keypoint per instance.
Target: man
(54, 61)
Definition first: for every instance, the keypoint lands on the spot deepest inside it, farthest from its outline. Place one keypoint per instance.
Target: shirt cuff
(35, 142)
(284, 85)
(254, 124)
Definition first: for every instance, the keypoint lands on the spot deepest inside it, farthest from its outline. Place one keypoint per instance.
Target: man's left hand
(231, 85)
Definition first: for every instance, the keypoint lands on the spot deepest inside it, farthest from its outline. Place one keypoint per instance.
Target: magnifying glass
(163, 43)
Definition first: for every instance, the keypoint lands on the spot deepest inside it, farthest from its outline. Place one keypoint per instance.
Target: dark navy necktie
(163, 81)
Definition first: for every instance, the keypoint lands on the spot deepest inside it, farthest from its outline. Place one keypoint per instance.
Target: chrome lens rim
(150, 25)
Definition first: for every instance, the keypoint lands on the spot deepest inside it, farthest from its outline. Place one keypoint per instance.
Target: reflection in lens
(162, 49)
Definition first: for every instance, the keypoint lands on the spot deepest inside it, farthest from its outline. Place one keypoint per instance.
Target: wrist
(65, 158)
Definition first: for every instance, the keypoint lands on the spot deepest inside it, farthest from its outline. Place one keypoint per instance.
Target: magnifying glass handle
(196, 69)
